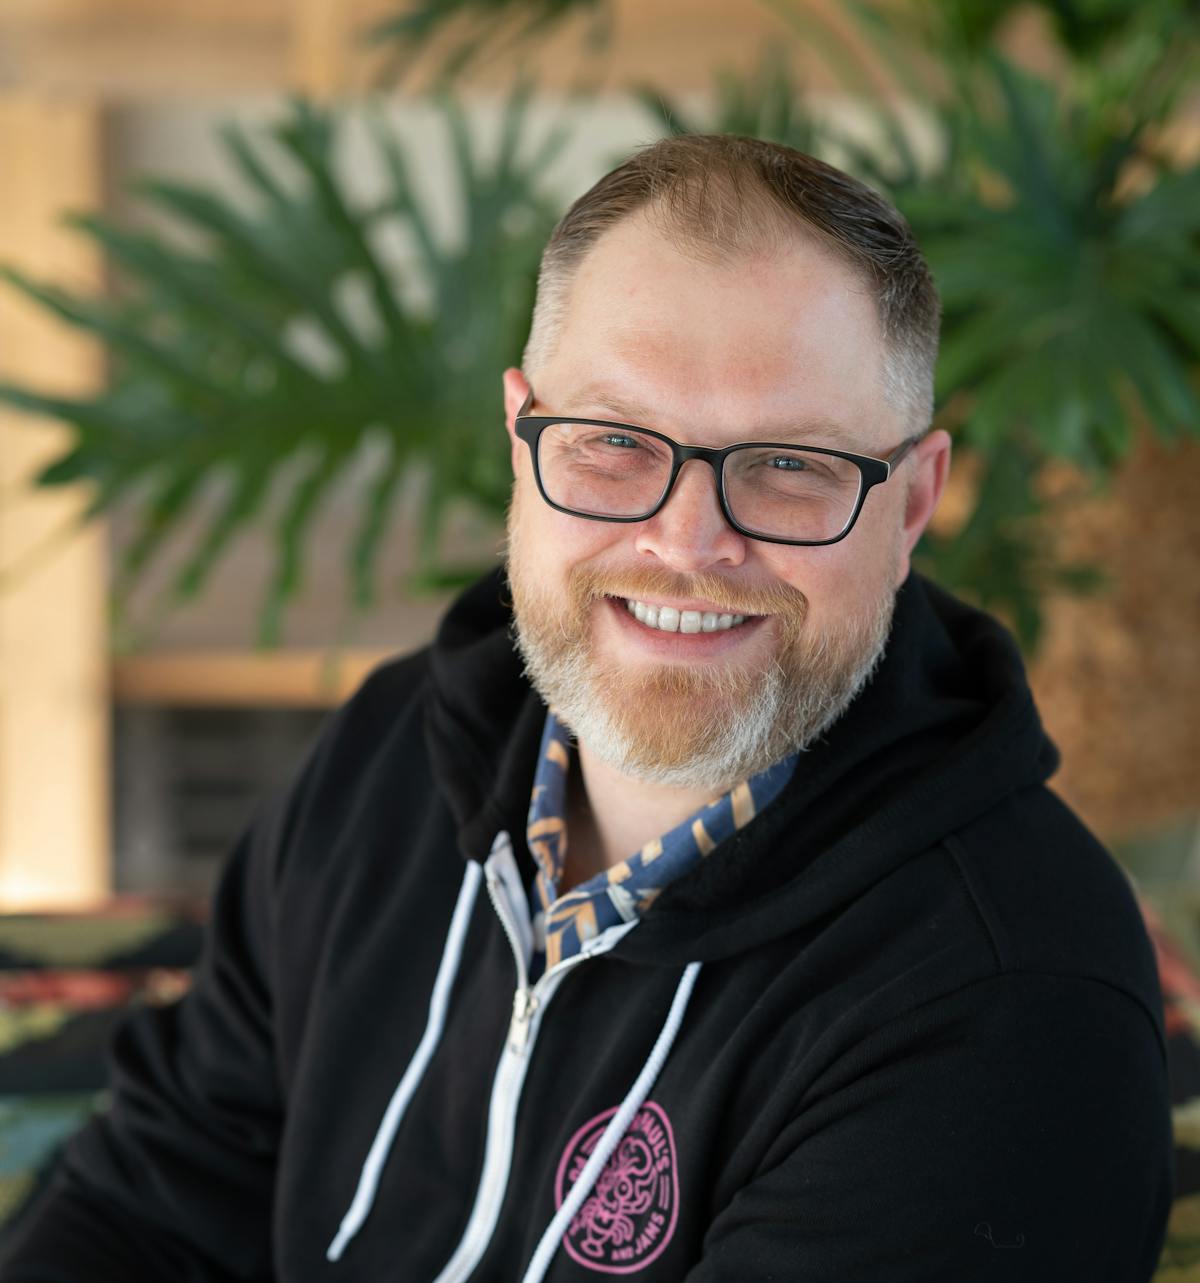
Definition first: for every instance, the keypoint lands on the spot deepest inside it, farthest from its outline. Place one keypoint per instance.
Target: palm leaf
(255, 355)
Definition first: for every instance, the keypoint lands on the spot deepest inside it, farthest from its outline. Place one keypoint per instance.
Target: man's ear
(516, 389)
(927, 479)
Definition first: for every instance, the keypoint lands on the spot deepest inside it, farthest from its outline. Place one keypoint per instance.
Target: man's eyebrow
(610, 404)
(816, 430)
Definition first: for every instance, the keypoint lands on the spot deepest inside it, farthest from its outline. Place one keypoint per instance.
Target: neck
(611, 816)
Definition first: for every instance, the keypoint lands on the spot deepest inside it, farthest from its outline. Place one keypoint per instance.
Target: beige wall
(53, 655)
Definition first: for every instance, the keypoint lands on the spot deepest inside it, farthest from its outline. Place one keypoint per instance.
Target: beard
(689, 725)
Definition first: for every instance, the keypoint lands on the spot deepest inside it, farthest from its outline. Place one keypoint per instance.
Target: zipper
(524, 1005)
(528, 1010)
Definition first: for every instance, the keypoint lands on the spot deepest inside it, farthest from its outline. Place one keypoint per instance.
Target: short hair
(720, 196)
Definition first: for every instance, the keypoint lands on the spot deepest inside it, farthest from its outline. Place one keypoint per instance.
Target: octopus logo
(629, 1217)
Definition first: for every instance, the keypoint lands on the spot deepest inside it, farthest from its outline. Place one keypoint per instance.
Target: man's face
(780, 348)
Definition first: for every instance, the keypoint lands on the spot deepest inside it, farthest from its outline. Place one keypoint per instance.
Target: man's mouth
(676, 619)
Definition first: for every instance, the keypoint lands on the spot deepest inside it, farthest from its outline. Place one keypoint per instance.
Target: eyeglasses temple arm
(897, 456)
(525, 405)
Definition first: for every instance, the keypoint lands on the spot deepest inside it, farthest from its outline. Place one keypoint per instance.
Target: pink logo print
(629, 1217)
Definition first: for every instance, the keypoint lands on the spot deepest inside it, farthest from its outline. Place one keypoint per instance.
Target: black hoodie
(905, 1025)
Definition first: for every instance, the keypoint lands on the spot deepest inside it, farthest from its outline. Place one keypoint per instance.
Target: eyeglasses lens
(773, 491)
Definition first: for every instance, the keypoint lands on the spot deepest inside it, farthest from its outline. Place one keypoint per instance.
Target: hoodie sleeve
(176, 1179)
(1018, 1128)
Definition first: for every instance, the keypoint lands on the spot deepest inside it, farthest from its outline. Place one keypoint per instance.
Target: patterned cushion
(65, 981)
(1180, 1262)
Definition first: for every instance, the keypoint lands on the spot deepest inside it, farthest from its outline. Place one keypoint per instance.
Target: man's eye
(619, 439)
(789, 463)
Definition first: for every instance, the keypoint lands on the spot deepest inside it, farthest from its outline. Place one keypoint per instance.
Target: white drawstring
(368, 1181)
(614, 1131)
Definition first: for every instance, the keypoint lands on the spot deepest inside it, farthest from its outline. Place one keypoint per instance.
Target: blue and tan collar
(624, 892)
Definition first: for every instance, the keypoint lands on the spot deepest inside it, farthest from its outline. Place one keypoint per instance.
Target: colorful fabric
(562, 924)
(66, 982)
(1180, 981)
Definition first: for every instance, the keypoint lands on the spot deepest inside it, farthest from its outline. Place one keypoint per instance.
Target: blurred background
(265, 261)
(262, 263)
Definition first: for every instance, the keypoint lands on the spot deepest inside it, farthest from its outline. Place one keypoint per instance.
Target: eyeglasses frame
(873, 471)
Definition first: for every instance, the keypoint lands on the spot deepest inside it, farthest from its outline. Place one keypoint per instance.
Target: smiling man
(694, 908)
(760, 619)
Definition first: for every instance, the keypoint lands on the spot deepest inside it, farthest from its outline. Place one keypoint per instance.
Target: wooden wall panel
(53, 655)
(127, 50)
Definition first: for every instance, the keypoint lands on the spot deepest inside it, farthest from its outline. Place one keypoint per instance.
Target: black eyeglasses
(780, 493)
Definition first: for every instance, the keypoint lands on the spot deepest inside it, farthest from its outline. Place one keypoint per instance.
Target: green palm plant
(1066, 247)
(1065, 240)
(280, 341)
(1082, 316)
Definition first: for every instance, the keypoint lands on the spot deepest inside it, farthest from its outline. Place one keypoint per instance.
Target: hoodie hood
(945, 730)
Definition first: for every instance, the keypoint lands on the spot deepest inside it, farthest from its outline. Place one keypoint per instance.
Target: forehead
(784, 336)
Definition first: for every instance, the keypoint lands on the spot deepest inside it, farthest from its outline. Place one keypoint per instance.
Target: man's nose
(690, 531)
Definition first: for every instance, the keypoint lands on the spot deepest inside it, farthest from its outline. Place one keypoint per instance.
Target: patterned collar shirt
(623, 893)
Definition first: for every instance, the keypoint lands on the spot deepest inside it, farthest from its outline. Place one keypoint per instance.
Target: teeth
(669, 620)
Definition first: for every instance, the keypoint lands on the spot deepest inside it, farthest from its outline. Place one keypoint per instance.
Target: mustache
(589, 583)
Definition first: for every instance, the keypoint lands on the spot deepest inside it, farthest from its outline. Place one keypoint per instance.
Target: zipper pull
(524, 1005)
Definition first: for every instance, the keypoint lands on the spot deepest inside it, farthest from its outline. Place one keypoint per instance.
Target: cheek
(868, 559)
(551, 543)
(883, 511)
(805, 569)
(836, 578)
(571, 541)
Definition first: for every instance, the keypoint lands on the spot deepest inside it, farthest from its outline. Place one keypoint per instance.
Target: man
(726, 932)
